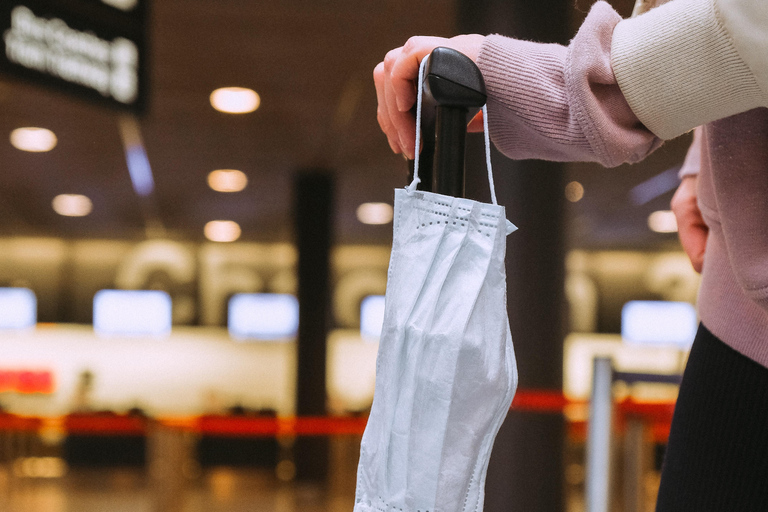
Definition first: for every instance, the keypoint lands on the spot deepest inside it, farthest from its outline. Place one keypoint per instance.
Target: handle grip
(453, 92)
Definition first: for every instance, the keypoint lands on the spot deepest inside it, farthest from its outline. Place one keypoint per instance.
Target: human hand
(690, 224)
(395, 80)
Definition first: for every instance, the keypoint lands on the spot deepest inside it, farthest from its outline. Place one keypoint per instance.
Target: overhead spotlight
(72, 205)
(574, 191)
(662, 221)
(222, 231)
(374, 213)
(227, 180)
(235, 100)
(36, 140)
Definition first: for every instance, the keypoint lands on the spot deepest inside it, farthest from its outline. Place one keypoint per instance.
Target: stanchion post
(599, 437)
(634, 464)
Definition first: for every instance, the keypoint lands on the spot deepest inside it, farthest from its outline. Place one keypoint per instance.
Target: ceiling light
(374, 213)
(235, 100)
(227, 180)
(72, 205)
(222, 231)
(32, 139)
(574, 191)
(123, 5)
(662, 221)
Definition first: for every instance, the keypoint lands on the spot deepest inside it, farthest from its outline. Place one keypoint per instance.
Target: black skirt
(717, 456)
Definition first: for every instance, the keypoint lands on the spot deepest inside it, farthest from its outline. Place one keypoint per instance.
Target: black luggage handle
(453, 92)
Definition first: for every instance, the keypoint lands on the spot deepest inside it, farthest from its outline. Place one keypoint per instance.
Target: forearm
(562, 103)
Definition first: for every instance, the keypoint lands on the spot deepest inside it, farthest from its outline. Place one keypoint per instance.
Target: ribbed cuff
(678, 68)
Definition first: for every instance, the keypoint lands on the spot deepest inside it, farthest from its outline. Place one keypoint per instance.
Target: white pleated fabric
(446, 371)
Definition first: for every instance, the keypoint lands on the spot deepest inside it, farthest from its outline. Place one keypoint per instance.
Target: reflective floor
(219, 489)
(227, 489)
(128, 491)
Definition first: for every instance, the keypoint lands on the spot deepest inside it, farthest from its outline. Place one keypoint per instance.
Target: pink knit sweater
(564, 103)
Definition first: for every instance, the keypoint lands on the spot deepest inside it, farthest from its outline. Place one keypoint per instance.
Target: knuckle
(412, 44)
(391, 58)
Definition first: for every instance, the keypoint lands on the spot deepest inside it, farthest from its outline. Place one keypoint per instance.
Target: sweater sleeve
(690, 62)
(552, 102)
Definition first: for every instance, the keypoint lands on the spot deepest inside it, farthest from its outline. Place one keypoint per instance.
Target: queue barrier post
(597, 484)
(599, 433)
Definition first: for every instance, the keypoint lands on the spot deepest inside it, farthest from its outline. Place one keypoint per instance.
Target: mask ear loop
(419, 93)
(488, 166)
(416, 180)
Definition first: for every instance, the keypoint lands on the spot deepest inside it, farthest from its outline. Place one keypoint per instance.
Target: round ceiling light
(36, 140)
(374, 213)
(222, 231)
(227, 180)
(235, 100)
(72, 205)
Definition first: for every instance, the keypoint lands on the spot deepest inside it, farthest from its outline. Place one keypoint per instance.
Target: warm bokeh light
(36, 140)
(574, 191)
(374, 213)
(72, 205)
(123, 5)
(227, 180)
(235, 100)
(662, 221)
(222, 231)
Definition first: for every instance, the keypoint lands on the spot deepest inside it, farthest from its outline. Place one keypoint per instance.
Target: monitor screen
(263, 316)
(18, 308)
(371, 316)
(659, 323)
(132, 312)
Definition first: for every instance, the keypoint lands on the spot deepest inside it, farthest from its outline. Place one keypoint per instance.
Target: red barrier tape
(658, 415)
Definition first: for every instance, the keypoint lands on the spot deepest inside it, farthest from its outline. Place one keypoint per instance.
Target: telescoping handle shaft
(453, 92)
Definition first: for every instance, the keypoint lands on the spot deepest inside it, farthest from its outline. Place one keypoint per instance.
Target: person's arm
(545, 101)
(689, 62)
(552, 102)
(612, 95)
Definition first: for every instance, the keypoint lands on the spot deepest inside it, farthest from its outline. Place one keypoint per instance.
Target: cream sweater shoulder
(690, 62)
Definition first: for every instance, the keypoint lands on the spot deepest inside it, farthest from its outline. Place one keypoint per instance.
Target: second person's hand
(691, 228)
(395, 80)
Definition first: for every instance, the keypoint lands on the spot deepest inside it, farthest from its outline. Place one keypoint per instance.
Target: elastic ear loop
(416, 180)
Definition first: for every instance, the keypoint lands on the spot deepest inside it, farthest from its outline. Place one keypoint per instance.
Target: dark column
(526, 470)
(313, 209)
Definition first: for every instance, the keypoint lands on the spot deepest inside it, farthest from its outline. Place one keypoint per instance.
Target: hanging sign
(95, 49)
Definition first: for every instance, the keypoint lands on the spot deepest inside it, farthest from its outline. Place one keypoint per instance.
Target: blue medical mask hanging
(446, 371)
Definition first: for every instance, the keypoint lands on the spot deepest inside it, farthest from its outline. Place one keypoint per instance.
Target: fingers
(402, 123)
(401, 73)
(691, 228)
(395, 79)
(382, 112)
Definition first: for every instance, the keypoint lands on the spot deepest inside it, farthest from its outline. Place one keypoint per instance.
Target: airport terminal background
(157, 177)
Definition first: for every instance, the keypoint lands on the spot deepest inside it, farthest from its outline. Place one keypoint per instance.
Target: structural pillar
(526, 471)
(313, 209)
